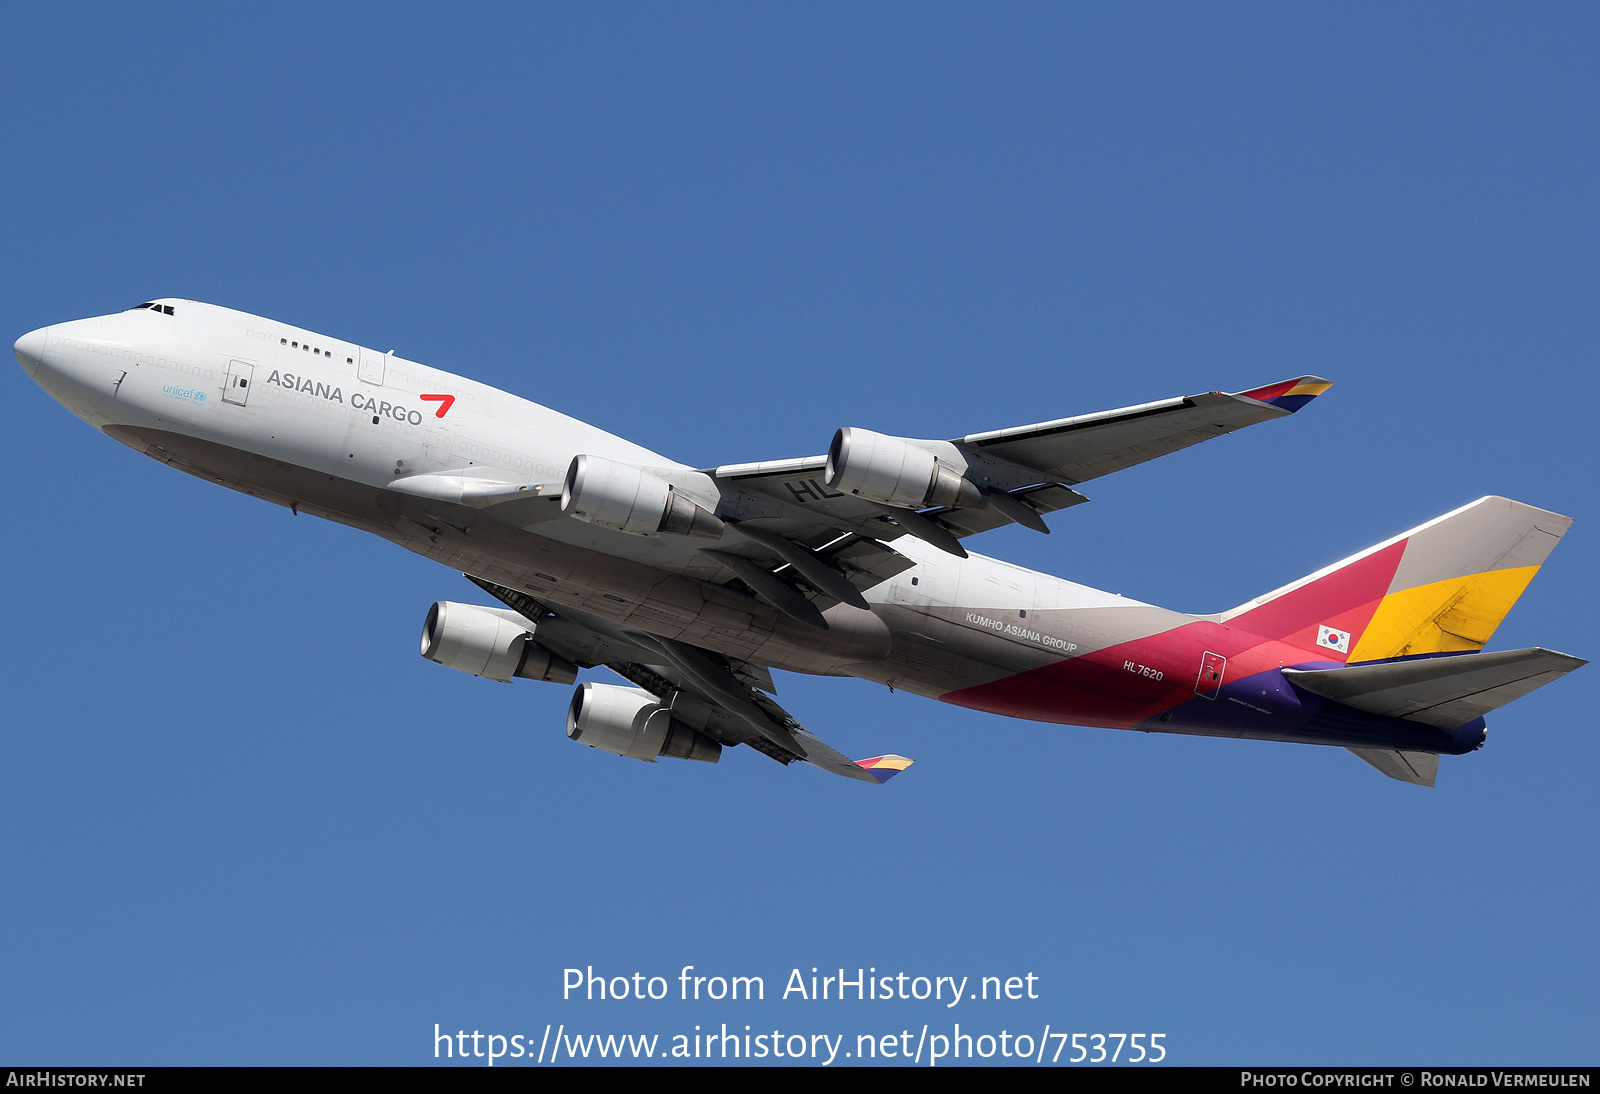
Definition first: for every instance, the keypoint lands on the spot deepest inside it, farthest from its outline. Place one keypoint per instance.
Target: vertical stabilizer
(1441, 587)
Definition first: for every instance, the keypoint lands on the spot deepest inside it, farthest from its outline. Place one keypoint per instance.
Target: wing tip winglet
(1289, 395)
(884, 768)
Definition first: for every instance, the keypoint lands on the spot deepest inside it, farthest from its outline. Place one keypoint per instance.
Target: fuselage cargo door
(238, 386)
(372, 366)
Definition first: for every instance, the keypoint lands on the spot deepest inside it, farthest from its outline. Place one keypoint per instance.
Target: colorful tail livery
(1379, 653)
(1397, 612)
(1442, 587)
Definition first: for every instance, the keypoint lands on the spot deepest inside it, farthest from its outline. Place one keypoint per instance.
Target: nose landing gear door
(238, 386)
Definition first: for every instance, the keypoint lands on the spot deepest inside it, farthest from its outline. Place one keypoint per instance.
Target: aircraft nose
(30, 350)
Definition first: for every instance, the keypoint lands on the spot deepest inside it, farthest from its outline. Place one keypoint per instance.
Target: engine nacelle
(891, 471)
(490, 642)
(631, 722)
(631, 499)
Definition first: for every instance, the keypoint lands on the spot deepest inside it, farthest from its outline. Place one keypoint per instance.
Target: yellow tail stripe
(1459, 613)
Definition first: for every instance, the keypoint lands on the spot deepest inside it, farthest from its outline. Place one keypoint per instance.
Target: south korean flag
(1338, 641)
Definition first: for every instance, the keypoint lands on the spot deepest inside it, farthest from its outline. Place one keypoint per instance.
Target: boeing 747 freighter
(692, 583)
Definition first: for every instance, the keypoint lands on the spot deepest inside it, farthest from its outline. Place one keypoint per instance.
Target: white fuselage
(327, 426)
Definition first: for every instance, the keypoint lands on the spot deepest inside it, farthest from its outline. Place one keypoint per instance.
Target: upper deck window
(309, 348)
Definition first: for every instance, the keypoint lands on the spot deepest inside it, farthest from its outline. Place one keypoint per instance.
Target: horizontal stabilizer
(1408, 767)
(1438, 691)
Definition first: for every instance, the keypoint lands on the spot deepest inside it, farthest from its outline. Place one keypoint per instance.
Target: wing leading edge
(1074, 450)
(1018, 474)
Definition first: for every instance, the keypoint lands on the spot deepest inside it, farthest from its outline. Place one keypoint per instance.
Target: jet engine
(631, 722)
(891, 471)
(631, 499)
(492, 642)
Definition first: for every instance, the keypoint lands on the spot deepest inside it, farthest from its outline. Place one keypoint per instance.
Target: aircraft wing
(724, 698)
(1074, 450)
(1020, 473)
(1077, 449)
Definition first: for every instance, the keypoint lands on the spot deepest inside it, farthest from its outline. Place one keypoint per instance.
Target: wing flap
(865, 562)
(1048, 497)
(855, 561)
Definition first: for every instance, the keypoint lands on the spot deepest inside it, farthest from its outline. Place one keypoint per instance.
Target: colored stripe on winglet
(884, 768)
(1289, 395)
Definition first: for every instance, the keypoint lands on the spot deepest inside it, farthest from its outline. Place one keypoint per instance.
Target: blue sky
(246, 823)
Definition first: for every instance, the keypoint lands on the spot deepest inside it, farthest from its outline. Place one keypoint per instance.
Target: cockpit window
(160, 309)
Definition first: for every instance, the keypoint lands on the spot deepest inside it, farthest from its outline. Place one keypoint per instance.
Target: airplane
(692, 584)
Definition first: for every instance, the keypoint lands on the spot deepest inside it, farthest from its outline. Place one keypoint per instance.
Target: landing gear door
(238, 386)
(372, 366)
(1209, 682)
